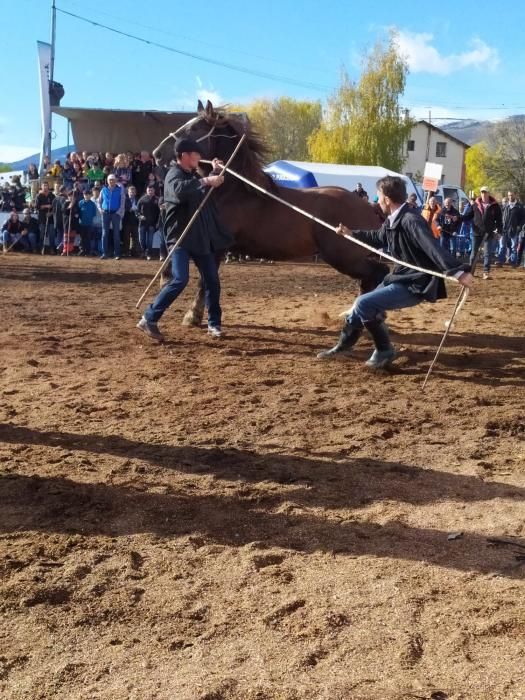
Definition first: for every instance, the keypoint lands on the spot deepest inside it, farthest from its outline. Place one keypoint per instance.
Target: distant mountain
(471, 131)
(56, 154)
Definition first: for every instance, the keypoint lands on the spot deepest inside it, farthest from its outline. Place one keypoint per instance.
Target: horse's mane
(254, 152)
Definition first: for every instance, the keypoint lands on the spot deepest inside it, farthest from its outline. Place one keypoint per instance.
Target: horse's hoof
(164, 281)
(190, 319)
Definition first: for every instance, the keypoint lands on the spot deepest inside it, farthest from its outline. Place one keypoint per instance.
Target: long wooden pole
(190, 222)
(462, 298)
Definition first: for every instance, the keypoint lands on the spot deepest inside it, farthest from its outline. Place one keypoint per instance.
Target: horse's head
(216, 131)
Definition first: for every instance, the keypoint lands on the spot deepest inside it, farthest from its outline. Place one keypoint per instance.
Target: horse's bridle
(209, 135)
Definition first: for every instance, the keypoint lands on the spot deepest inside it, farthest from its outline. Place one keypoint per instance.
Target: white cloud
(423, 57)
(10, 154)
(187, 99)
(208, 93)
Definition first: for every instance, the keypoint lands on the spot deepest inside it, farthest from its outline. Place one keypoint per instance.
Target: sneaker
(117, 257)
(150, 329)
(486, 276)
(215, 331)
(103, 257)
(148, 257)
(162, 258)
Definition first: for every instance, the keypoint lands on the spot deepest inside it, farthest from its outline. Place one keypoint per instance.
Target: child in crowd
(96, 238)
(87, 213)
(71, 216)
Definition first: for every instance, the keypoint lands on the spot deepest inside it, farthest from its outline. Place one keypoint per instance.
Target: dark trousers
(477, 239)
(180, 267)
(130, 236)
(86, 236)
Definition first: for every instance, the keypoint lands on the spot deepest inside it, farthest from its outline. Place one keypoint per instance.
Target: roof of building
(443, 133)
(118, 130)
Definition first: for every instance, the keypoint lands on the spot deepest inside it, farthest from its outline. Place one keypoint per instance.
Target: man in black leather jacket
(184, 191)
(407, 237)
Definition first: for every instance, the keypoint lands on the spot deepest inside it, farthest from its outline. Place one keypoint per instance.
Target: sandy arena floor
(235, 520)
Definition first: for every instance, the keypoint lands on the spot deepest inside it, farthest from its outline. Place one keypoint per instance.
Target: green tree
(505, 163)
(364, 123)
(285, 124)
(5, 168)
(476, 159)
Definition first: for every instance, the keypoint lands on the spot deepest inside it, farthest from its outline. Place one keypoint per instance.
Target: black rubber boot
(384, 353)
(347, 339)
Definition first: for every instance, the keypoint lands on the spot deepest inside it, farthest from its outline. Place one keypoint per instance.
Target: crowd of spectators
(91, 204)
(457, 229)
(108, 204)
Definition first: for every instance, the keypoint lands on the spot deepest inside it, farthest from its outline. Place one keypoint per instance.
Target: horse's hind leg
(376, 272)
(351, 260)
(194, 315)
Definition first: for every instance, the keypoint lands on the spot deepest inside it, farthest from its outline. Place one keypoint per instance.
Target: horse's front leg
(194, 315)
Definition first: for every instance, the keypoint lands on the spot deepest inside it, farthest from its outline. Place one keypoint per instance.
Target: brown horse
(264, 228)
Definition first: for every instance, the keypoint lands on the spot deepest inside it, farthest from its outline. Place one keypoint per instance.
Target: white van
(292, 173)
(458, 196)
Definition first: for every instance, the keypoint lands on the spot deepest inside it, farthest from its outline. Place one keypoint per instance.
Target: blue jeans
(146, 234)
(180, 266)
(373, 305)
(448, 242)
(488, 248)
(113, 220)
(507, 249)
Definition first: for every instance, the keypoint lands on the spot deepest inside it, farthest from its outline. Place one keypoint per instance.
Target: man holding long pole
(184, 191)
(407, 237)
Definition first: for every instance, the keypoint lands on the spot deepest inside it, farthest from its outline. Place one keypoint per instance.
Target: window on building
(411, 146)
(441, 149)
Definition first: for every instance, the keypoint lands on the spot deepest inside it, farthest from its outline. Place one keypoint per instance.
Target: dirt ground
(236, 520)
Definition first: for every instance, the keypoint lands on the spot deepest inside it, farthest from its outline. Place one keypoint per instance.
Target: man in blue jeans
(184, 190)
(486, 218)
(408, 238)
(112, 202)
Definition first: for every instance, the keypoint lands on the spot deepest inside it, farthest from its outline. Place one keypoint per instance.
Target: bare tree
(505, 163)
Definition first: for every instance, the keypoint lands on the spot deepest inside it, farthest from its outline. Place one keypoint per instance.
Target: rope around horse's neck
(334, 228)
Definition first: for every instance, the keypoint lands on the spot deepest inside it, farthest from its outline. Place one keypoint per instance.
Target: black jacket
(410, 240)
(449, 220)
(30, 226)
(183, 193)
(513, 218)
(41, 201)
(58, 206)
(148, 210)
(487, 221)
(70, 215)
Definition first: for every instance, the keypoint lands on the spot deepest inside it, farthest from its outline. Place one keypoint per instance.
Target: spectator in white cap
(112, 203)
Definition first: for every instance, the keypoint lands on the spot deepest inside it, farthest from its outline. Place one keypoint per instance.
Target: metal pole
(52, 69)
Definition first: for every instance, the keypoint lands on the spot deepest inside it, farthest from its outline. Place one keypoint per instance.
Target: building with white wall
(430, 143)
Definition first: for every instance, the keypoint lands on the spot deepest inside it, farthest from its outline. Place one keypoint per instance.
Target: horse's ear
(200, 107)
(209, 109)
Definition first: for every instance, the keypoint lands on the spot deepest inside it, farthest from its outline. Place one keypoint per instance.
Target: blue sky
(465, 60)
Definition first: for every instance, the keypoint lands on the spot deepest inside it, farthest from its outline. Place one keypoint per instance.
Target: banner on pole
(44, 67)
(432, 176)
